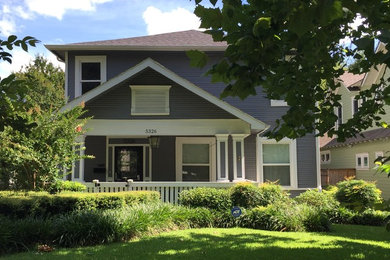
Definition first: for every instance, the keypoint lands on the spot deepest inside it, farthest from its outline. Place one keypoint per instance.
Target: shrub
(324, 201)
(211, 198)
(343, 216)
(370, 217)
(193, 217)
(286, 216)
(44, 205)
(61, 185)
(358, 194)
(248, 196)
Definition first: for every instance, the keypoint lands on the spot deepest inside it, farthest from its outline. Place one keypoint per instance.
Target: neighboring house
(155, 118)
(360, 152)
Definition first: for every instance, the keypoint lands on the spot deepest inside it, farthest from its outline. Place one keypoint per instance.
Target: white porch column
(238, 157)
(78, 166)
(222, 158)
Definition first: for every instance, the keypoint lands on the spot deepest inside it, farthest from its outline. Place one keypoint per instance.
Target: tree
(37, 141)
(295, 50)
(41, 76)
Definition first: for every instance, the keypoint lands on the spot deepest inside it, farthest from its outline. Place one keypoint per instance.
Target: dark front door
(129, 163)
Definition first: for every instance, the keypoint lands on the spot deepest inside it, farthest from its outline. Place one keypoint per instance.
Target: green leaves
(13, 41)
(262, 24)
(198, 59)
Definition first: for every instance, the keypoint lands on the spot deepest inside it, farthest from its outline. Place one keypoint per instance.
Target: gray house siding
(95, 168)
(163, 160)
(184, 104)
(116, 104)
(250, 157)
(306, 157)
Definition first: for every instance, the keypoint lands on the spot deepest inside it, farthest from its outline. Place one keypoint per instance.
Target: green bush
(249, 196)
(358, 194)
(211, 198)
(286, 216)
(370, 218)
(324, 201)
(44, 205)
(61, 185)
(82, 228)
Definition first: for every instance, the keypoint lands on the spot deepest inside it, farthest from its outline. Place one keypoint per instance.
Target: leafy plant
(211, 198)
(358, 194)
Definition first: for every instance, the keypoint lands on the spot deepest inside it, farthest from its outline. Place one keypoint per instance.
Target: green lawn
(344, 242)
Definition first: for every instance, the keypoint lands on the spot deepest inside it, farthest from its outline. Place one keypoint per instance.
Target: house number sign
(150, 131)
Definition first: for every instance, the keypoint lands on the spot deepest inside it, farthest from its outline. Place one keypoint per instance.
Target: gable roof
(351, 80)
(371, 135)
(256, 124)
(175, 41)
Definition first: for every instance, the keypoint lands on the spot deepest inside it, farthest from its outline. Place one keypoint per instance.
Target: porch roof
(255, 124)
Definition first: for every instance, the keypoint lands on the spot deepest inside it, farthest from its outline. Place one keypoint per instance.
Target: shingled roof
(184, 38)
(371, 135)
(175, 41)
(352, 81)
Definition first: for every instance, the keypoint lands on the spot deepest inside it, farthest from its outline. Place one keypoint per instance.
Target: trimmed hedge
(45, 205)
(212, 198)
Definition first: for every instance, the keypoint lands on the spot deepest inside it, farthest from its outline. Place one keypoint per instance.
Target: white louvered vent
(150, 100)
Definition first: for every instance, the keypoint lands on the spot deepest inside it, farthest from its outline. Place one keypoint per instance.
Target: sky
(70, 21)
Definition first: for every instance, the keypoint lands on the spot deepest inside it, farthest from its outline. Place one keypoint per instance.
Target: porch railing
(169, 191)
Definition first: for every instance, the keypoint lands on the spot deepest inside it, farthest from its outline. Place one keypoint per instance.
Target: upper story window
(150, 100)
(90, 73)
(339, 114)
(356, 103)
(362, 161)
(278, 103)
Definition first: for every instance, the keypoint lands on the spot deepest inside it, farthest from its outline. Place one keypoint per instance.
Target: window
(278, 161)
(150, 100)
(90, 73)
(378, 155)
(195, 158)
(362, 161)
(278, 103)
(325, 157)
(356, 103)
(339, 114)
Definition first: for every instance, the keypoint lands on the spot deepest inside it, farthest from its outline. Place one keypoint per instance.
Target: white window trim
(134, 89)
(337, 114)
(238, 138)
(325, 153)
(278, 103)
(195, 140)
(222, 138)
(361, 156)
(378, 154)
(293, 159)
(360, 102)
(81, 140)
(80, 59)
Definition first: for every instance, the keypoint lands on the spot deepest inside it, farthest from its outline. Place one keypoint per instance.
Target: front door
(128, 163)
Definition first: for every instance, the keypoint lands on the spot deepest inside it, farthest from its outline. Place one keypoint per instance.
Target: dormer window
(150, 100)
(90, 73)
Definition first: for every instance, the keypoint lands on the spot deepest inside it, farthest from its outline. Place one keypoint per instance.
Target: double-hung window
(356, 104)
(362, 161)
(339, 114)
(325, 157)
(278, 161)
(90, 73)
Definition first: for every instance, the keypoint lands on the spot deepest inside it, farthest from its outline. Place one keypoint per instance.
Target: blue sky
(68, 21)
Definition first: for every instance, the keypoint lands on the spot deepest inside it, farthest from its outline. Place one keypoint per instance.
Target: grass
(344, 242)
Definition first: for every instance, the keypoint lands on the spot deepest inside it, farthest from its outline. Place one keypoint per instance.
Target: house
(157, 119)
(359, 153)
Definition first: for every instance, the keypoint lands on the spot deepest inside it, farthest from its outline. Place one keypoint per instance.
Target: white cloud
(19, 59)
(179, 19)
(58, 8)
(7, 26)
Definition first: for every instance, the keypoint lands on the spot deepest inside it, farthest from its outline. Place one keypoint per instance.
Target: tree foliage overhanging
(295, 50)
(37, 141)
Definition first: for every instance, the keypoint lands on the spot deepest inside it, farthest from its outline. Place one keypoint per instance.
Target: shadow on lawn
(219, 245)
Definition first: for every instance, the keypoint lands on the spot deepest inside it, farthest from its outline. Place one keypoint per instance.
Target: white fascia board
(150, 63)
(167, 127)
